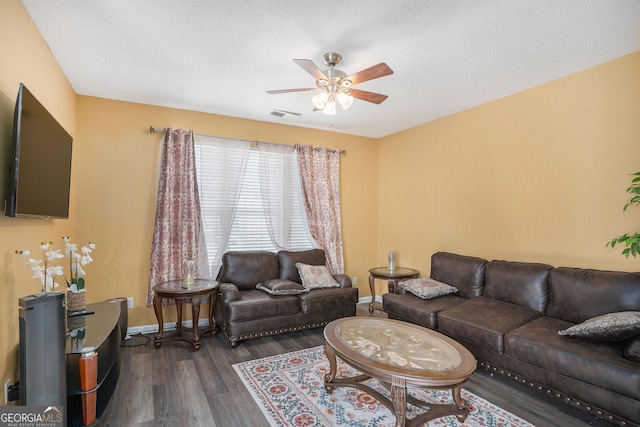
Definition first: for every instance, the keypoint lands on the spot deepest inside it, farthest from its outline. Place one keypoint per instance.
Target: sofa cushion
(483, 322)
(466, 273)
(608, 327)
(246, 269)
(410, 308)
(255, 304)
(596, 363)
(632, 349)
(426, 288)
(287, 261)
(327, 299)
(281, 287)
(316, 276)
(520, 283)
(579, 294)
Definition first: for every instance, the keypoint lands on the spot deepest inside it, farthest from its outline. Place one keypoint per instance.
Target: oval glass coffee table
(399, 355)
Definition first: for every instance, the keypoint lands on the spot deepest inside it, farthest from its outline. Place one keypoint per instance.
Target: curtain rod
(156, 130)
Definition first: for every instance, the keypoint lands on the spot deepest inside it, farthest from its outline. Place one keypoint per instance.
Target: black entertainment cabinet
(101, 332)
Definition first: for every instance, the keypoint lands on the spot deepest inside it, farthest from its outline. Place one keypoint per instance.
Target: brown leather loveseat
(508, 314)
(245, 311)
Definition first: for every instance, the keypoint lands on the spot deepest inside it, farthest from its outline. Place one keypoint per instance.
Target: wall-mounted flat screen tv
(40, 170)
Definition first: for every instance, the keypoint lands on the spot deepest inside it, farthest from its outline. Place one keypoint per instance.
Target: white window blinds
(250, 198)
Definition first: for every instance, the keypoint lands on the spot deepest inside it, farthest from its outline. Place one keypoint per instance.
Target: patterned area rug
(289, 389)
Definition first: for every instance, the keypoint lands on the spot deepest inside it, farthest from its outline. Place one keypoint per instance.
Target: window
(250, 198)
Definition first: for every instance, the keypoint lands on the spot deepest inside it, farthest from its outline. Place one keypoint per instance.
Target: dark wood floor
(174, 386)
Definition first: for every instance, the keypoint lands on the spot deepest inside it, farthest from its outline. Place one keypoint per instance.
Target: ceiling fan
(335, 86)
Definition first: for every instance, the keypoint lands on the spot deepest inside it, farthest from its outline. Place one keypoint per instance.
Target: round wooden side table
(192, 294)
(392, 277)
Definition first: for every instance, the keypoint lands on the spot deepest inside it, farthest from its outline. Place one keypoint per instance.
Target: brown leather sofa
(244, 312)
(508, 315)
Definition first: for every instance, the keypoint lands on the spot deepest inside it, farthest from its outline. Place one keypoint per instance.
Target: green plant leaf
(631, 243)
(80, 283)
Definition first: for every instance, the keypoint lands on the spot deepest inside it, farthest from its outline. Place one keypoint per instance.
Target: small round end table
(192, 294)
(392, 277)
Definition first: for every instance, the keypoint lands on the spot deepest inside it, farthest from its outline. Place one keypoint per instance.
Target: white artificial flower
(52, 255)
(46, 271)
(50, 284)
(55, 270)
(34, 263)
(70, 249)
(79, 271)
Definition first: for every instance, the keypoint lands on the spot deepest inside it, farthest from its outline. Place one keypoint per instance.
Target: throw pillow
(632, 349)
(316, 276)
(426, 288)
(281, 287)
(608, 327)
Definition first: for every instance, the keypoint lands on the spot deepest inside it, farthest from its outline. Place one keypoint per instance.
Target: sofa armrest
(343, 279)
(229, 292)
(400, 290)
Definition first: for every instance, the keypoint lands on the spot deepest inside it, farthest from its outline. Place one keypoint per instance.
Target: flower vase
(77, 301)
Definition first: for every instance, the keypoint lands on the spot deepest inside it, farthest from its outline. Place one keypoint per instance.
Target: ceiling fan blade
(370, 73)
(305, 89)
(376, 98)
(310, 68)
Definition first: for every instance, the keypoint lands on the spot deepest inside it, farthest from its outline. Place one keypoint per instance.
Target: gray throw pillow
(316, 276)
(281, 287)
(426, 288)
(632, 349)
(608, 327)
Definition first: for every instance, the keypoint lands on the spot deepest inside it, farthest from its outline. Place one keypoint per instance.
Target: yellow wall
(25, 58)
(537, 176)
(119, 161)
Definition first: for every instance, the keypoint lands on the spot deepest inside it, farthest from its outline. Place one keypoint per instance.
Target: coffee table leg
(399, 398)
(460, 403)
(157, 307)
(195, 315)
(333, 367)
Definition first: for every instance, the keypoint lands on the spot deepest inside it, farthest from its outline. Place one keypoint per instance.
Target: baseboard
(367, 300)
(152, 329)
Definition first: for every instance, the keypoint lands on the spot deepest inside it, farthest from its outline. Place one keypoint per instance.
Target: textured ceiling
(221, 56)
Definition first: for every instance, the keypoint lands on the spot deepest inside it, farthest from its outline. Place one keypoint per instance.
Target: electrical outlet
(354, 280)
(130, 302)
(7, 384)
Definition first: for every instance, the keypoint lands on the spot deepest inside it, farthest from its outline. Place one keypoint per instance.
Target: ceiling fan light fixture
(320, 100)
(345, 100)
(330, 108)
(336, 86)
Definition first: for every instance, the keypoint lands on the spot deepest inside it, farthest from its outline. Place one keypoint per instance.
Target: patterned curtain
(177, 234)
(320, 176)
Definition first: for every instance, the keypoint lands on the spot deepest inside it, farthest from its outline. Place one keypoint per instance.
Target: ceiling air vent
(286, 115)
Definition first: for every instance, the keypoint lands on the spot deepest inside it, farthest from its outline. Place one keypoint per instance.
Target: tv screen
(40, 172)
